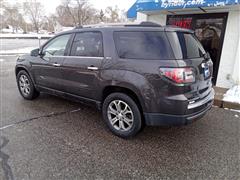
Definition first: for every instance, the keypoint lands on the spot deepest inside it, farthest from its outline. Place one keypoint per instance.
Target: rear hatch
(189, 52)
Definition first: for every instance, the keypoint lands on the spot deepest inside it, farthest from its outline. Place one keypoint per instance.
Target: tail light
(179, 75)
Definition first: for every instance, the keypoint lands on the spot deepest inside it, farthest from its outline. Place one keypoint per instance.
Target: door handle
(92, 68)
(108, 58)
(56, 64)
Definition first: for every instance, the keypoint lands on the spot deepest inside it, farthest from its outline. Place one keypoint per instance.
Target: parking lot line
(38, 117)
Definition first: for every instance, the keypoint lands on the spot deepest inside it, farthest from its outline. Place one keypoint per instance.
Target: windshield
(185, 45)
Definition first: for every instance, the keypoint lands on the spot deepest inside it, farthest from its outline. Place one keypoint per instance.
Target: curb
(226, 104)
(218, 99)
(231, 105)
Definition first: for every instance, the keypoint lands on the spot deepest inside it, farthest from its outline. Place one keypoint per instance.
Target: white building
(216, 24)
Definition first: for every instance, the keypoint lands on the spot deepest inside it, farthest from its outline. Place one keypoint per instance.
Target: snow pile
(17, 51)
(233, 95)
(26, 35)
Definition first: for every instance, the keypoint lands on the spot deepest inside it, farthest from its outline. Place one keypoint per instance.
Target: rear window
(143, 45)
(185, 45)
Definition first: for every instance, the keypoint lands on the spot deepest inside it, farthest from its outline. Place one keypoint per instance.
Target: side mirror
(35, 52)
(42, 53)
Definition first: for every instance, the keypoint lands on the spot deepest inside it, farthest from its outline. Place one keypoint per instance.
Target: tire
(128, 122)
(26, 86)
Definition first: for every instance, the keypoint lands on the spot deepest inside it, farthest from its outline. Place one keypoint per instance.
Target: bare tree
(101, 16)
(35, 11)
(63, 17)
(84, 12)
(112, 14)
(69, 10)
(79, 12)
(51, 22)
(11, 16)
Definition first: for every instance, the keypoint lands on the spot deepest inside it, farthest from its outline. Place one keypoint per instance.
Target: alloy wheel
(24, 85)
(120, 115)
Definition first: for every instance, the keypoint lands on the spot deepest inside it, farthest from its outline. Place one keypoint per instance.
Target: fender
(27, 70)
(132, 81)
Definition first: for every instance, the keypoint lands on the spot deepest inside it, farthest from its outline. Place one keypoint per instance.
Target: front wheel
(26, 86)
(122, 115)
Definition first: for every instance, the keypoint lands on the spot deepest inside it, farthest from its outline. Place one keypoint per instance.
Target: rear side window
(185, 45)
(87, 44)
(143, 45)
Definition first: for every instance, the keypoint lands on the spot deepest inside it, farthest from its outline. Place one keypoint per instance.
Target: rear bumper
(158, 119)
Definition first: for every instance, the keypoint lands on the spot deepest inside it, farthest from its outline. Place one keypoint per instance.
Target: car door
(47, 69)
(81, 67)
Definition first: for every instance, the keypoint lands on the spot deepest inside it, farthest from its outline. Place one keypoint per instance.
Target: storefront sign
(180, 3)
(156, 5)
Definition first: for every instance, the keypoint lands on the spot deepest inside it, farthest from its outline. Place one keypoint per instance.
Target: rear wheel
(26, 86)
(122, 115)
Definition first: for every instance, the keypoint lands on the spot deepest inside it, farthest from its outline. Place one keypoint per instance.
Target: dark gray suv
(136, 75)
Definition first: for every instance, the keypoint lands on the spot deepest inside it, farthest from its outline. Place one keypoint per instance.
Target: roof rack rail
(145, 24)
(78, 27)
(103, 25)
(142, 24)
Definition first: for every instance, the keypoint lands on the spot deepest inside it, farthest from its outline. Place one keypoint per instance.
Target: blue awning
(156, 5)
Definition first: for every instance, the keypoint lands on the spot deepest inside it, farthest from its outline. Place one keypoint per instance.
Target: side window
(57, 46)
(142, 45)
(185, 45)
(87, 44)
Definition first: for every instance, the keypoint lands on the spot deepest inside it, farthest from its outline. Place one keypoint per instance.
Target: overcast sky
(50, 5)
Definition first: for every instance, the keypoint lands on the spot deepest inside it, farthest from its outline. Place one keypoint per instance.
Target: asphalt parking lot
(53, 138)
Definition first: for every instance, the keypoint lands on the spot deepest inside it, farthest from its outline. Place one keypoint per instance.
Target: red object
(179, 75)
(181, 22)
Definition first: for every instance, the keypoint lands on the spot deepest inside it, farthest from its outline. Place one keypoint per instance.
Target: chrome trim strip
(84, 57)
(92, 68)
(203, 101)
(56, 65)
(81, 57)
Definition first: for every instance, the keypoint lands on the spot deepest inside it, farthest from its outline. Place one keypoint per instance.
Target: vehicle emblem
(206, 70)
(204, 65)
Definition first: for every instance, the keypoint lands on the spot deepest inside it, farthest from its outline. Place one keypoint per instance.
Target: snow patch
(39, 36)
(233, 94)
(2, 55)
(234, 110)
(17, 51)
